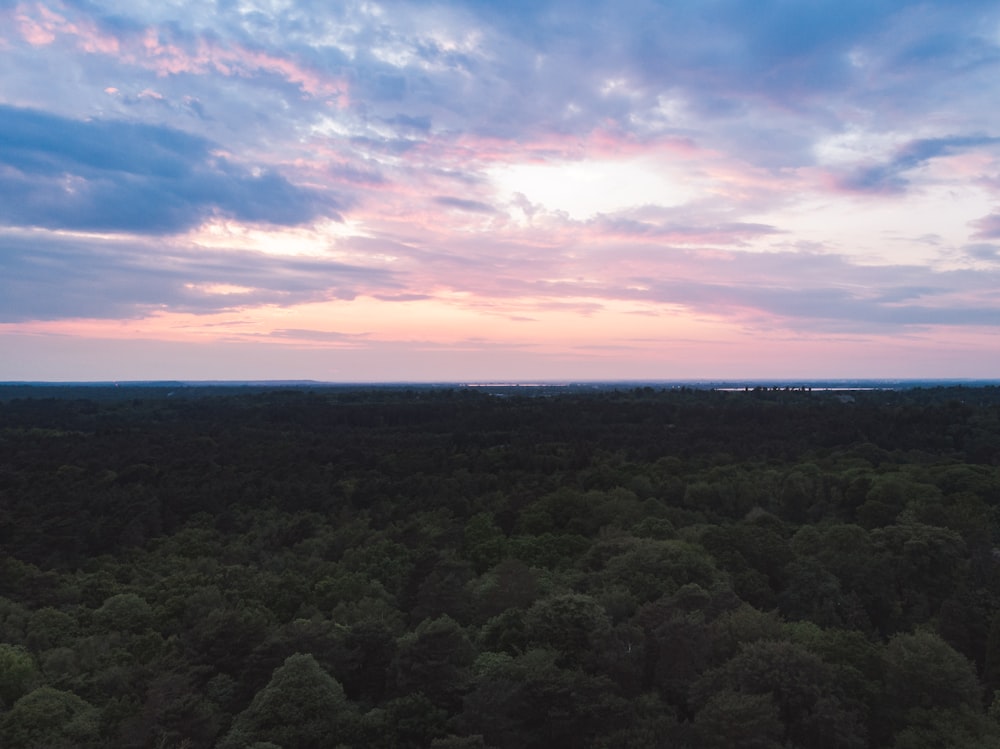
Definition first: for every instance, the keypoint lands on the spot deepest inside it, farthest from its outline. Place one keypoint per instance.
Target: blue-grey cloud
(48, 277)
(890, 176)
(96, 175)
(987, 252)
(800, 291)
(401, 297)
(723, 232)
(323, 336)
(462, 204)
(831, 293)
(987, 227)
(356, 175)
(764, 79)
(420, 124)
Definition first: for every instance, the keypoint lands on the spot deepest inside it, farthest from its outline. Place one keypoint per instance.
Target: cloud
(825, 292)
(724, 233)
(988, 227)
(472, 206)
(44, 276)
(796, 290)
(167, 49)
(761, 83)
(319, 336)
(402, 297)
(100, 175)
(419, 124)
(987, 252)
(889, 177)
(703, 268)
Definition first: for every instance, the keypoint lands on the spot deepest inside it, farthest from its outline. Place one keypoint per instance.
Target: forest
(455, 568)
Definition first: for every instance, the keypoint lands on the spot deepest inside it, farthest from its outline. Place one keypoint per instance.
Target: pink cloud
(41, 29)
(154, 50)
(40, 26)
(600, 143)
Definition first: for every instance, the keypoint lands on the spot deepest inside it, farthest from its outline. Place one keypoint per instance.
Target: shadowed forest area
(452, 568)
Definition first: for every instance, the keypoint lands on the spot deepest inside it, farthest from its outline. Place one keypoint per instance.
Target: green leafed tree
(531, 702)
(928, 684)
(965, 728)
(302, 706)
(434, 659)
(572, 624)
(484, 544)
(923, 671)
(18, 673)
(739, 720)
(801, 686)
(49, 718)
(126, 612)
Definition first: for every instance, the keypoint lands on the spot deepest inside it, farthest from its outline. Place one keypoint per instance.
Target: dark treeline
(392, 567)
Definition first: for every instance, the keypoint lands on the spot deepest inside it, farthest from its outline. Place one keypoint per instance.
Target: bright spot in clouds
(320, 239)
(584, 189)
(221, 289)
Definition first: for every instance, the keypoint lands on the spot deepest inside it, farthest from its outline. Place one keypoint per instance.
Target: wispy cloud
(166, 49)
(473, 206)
(890, 177)
(45, 276)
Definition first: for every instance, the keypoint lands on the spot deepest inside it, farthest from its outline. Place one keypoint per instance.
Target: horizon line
(466, 382)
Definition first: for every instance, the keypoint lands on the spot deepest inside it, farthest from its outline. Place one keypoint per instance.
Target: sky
(474, 190)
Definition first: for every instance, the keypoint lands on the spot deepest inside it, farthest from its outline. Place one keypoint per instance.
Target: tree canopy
(448, 567)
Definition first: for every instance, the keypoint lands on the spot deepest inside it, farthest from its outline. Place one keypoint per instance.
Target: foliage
(52, 718)
(301, 706)
(578, 567)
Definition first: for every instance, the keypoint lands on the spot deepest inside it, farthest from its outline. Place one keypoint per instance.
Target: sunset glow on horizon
(462, 191)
